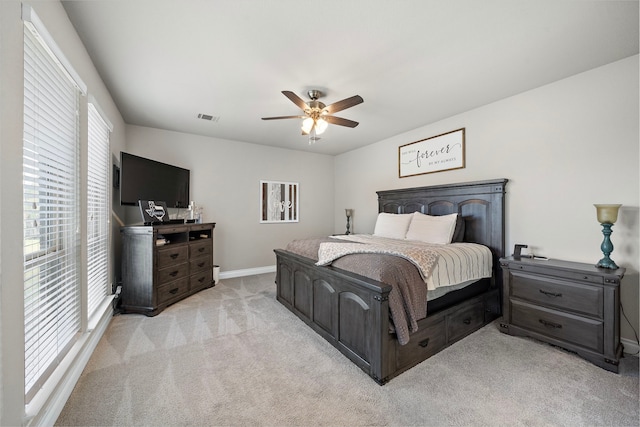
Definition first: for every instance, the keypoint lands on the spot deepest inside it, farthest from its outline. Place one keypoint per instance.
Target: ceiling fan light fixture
(307, 125)
(317, 115)
(313, 136)
(321, 125)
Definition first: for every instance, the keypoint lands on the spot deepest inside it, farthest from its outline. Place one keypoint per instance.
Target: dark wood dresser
(572, 305)
(163, 264)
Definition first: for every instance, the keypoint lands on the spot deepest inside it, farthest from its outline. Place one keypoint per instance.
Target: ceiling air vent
(208, 117)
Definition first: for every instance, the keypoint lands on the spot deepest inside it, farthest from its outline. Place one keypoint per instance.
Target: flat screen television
(146, 179)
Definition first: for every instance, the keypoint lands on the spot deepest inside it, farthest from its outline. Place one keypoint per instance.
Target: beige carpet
(232, 355)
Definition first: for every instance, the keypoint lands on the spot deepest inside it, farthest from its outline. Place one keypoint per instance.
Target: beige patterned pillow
(393, 226)
(432, 229)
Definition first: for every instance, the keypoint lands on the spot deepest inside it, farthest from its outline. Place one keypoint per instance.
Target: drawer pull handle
(550, 294)
(200, 249)
(174, 291)
(201, 279)
(467, 321)
(174, 273)
(174, 256)
(424, 343)
(551, 324)
(201, 264)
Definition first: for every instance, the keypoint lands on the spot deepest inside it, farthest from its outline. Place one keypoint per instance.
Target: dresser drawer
(172, 255)
(199, 249)
(567, 327)
(171, 290)
(464, 321)
(199, 264)
(558, 293)
(173, 272)
(201, 280)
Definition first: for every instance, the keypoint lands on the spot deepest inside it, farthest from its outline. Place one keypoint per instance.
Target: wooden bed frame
(352, 312)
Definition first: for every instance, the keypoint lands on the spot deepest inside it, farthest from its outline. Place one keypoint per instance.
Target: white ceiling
(414, 61)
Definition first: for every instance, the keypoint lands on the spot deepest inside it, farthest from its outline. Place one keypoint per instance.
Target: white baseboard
(630, 347)
(46, 407)
(247, 272)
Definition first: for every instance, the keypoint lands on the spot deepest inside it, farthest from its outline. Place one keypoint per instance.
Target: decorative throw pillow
(432, 229)
(393, 226)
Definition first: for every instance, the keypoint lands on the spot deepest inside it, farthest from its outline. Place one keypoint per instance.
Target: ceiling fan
(317, 115)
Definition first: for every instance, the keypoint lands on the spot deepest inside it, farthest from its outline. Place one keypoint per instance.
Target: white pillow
(432, 229)
(393, 226)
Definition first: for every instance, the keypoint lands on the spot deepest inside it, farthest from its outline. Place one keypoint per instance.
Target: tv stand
(163, 264)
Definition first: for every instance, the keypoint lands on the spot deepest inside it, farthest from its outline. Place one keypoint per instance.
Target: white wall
(12, 408)
(225, 180)
(563, 147)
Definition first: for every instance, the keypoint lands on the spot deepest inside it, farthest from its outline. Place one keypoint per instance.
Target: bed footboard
(350, 311)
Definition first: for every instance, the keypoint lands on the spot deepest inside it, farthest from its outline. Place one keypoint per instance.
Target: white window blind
(98, 210)
(51, 208)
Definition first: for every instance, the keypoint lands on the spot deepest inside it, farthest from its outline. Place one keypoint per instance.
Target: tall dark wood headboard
(480, 203)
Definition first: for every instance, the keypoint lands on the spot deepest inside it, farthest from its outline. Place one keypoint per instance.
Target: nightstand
(572, 305)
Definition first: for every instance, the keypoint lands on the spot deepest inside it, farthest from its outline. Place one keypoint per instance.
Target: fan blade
(295, 99)
(344, 104)
(340, 121)
(283, 117)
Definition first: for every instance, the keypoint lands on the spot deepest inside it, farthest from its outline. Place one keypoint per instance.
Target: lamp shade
(307, 125)
(607, 214)
(321, 125)
(348, 212)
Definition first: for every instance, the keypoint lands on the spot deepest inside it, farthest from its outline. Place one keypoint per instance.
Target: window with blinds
(51, 208)
(98, 210)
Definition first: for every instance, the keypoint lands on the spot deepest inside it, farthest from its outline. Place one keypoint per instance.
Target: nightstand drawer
(578, 330)
(550, 267)
(558, 293)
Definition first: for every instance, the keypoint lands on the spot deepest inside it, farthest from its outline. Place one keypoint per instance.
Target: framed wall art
(435, 154)
(279, 202)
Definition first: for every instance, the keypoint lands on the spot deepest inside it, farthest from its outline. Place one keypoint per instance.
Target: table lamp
(349, 213)
(607, 216)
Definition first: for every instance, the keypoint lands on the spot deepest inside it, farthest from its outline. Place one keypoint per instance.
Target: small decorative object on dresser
(572, 305)
(607, 216)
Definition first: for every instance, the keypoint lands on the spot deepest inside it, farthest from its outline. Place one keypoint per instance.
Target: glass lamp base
(606, 247)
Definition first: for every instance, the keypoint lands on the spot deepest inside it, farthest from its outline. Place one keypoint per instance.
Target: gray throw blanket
(407, 299)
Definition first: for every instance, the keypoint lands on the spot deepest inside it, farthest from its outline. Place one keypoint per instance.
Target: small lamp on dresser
(349, 213)
(607, 216)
